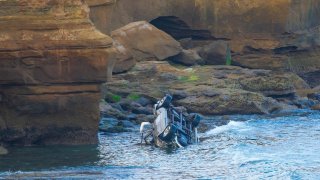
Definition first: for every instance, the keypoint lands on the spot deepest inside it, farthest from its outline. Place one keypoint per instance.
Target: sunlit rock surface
(255, 29)
(52, 60)
(143, 42)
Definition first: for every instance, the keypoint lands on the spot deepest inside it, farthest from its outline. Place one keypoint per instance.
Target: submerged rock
(109, 125)
(3, 151)
(316, 107)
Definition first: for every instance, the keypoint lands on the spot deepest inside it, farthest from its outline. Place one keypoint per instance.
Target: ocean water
(283, 146)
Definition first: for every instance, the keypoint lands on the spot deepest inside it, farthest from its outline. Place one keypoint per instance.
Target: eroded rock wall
(223, 17)
(52, 60)
(256, 29)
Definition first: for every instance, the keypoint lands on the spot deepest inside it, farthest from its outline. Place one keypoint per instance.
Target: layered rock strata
(52, 60)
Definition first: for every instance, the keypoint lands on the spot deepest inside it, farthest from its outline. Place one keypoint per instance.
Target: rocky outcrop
(214, 53)
(144, 42)
(221, 17)
(211, 90)
(124, 59)
(226, 101)
(188, 57)
(256, 29)
(52, 60)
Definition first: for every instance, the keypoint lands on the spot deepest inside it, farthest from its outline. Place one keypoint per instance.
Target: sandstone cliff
(222, 17)
(52, 60)
(256, 30)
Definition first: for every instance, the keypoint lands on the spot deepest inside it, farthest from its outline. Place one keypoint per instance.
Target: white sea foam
(230, 126)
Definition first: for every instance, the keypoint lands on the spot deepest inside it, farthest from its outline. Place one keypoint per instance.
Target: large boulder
(52, 61)
(125, 60)
(145, 42)
(215, 53)
(187, 57)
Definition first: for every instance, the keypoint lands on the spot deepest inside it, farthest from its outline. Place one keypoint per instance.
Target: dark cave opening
(179, 29)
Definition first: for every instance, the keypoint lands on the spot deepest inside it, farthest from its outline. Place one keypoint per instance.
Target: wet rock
(108, 111)
(142, 110)
(178, 94)
(106, 123)
(304, 103)
(188, 57)
(127, 124)
(111, 125)
(117, 106)
(145, 118)
(143, 101)
(3, 151)
(126, 104)
(314, 96)
(145, 42)
(131, 117)
(316, 107)
(214, 53)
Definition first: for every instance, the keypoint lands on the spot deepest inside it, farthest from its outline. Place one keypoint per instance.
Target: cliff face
(263, 34)
(222, 17)
(52, 60)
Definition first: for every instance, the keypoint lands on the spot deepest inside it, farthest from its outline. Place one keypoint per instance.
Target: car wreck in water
(171, 127)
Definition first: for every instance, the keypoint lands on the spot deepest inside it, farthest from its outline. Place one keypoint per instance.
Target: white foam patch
(230, 126)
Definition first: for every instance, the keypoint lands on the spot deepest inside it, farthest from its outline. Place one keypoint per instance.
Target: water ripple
(263, 147)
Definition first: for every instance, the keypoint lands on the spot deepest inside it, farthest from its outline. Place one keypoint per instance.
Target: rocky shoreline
(53, 60)
(208, 90)
(198, 79)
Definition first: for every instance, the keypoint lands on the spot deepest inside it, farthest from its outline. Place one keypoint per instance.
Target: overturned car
(171, 127)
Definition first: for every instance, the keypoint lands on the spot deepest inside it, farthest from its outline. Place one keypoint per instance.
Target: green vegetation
(228, 57)
(190, 78)
(116, 98)
(133, 96)
(112, 98)
(193, 78)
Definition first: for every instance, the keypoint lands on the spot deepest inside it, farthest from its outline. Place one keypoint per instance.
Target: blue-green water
(248, 147)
